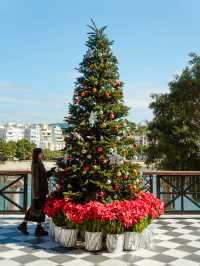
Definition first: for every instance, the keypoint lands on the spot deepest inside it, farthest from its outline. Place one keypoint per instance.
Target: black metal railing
(13, 191)
(180, 190)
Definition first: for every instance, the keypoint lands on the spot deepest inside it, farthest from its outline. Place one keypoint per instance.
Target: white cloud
(12, 87)
(45, 102)
(138, 94)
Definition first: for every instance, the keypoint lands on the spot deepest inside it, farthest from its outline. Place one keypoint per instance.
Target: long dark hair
(35, 154)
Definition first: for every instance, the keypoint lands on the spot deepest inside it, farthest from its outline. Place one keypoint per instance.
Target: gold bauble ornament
(119, 174)
(102, 125)
(95, 167)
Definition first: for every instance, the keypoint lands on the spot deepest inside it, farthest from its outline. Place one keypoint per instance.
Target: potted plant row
(125, 224)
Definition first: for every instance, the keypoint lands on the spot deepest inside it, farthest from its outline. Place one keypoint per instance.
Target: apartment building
(45, 136)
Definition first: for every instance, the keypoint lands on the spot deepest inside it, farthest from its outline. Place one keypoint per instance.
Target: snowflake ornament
(115, 158)
(93, 118)
(76, 135)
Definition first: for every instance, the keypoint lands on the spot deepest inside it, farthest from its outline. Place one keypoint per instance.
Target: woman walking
(39, 192)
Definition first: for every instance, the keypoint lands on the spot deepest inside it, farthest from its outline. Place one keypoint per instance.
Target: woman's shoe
(39, 231)
(23, 228)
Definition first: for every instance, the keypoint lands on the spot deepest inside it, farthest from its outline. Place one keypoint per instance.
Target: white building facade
(45, 136)
(12, 132)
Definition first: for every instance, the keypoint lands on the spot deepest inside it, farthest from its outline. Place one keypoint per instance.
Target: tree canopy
(174, 132)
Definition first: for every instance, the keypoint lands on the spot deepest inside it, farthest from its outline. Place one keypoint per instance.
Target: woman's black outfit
(39, 191)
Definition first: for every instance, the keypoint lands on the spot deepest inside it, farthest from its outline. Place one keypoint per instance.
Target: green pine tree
(97, 162)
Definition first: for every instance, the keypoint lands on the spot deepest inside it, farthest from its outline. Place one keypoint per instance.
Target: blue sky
(43, 41)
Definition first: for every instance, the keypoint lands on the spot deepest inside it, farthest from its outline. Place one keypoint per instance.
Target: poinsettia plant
(114, 218)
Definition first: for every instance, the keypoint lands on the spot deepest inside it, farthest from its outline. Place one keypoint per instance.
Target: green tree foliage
(174, 132)
(10, 149)
(99, 137)
(52, 155)
(2, 150)
(24, 149)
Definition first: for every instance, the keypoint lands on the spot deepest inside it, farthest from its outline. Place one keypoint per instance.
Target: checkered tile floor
(176, 242)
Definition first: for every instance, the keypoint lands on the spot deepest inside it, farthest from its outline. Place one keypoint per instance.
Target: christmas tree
(97, 162)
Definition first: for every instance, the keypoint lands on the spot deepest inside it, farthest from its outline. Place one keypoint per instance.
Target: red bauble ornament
(107, 94)
(94, 90)
(111, 116)
(117, 83)
(117, 188)
(92, 66)
(126, 177)
(83, 94)
(133, 188)
(99, 149)
(86, 168)
(101, 194)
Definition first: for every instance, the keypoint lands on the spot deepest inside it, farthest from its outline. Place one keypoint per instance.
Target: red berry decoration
(99, 149)
(117, 83)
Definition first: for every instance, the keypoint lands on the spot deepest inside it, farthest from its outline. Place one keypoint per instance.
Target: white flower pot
(132, 240)
(93, 241)
(57, 233)
(147, 237)
(68, 237)
(52, 230)
(115, 242)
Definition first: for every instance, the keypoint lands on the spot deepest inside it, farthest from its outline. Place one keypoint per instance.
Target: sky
(42, 42)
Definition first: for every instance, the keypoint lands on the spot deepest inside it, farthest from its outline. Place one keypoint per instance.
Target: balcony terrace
(176, 235)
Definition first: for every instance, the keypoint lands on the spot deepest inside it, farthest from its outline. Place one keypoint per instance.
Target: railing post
(25, 191)
(158, 186)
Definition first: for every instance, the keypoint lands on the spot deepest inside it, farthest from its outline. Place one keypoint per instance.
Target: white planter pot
(132, 240)
(68, 237)
(147, 237)
(93, 241)
(115, 242)
(57, 233)
(52, 230)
